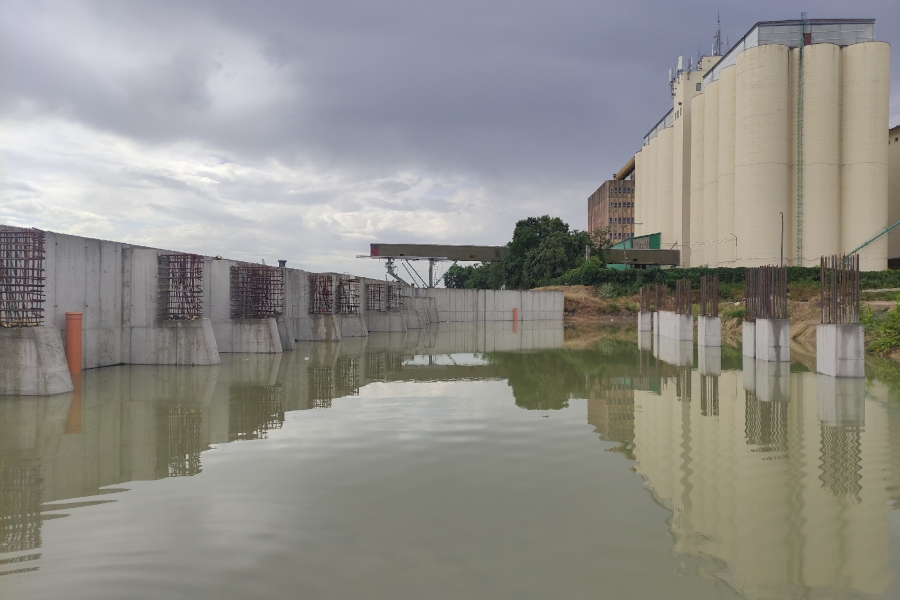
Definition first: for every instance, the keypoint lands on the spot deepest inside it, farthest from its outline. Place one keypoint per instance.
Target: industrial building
(611, 208)
(774, 151)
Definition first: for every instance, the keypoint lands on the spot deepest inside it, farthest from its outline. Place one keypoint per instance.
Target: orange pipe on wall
(515, 320)
(73, 341)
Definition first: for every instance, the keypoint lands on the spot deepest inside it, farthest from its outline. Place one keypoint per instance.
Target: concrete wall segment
(710, 174)
(725, 170)
(698, 116)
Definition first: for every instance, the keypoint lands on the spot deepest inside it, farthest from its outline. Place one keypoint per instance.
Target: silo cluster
(786, 151)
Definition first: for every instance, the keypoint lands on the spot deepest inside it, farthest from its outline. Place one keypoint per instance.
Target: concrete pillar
(645, 340)
(748, 370)
(840, 350)
(33, 362)
(656, 324)
(645, 321)
(749, 338)
(773, 340)
(709, 331)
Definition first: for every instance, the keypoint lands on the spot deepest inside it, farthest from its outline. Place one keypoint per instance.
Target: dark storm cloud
(532, 104)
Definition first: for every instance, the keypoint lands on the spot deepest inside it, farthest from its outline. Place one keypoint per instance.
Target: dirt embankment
(589, 316)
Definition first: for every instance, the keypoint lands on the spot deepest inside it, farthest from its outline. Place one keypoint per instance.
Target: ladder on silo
(800, 143)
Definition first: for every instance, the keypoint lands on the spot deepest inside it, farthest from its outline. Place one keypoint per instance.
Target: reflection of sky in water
(356, 471)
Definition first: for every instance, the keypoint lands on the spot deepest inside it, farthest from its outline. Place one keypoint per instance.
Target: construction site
(777, 150)
(69, 303)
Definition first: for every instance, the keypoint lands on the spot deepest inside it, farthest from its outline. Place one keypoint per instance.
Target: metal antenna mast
(717, 39)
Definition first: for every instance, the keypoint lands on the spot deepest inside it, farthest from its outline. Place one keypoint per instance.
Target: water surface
(454, 463)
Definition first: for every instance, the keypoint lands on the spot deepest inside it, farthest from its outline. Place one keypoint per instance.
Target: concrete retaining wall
(115, 285)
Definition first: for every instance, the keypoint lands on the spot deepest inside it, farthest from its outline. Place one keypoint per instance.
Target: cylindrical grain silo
(650, 166)
(762, 171)
(711, 173)
(790, 220)
(864, 151)
(819, 156)
(664, 186)
(725, 171)
(638, 190)
(697, 255)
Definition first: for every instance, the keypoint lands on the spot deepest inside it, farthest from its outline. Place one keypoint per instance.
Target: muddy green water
(434, 465)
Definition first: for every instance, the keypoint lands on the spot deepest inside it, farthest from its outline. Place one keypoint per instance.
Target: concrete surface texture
(840, 350)
(709, 331)
(748, 338)
(175, 343)
(675, 352)
(33, 362)
(773, 340)
(645, 321)
(675, 326)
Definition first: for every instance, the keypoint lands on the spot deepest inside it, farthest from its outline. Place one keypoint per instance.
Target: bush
(734, 313)
(883, 329)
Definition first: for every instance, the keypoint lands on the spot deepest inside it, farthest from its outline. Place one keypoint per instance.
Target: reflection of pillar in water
(347, 376)
(683, 383)
(182, 442)
(841, 410)
(611, 412)
(773, 381)
(765, 424)
(254, 409)
(376, 366)
(321, 386)
(21, 486)
(709, 396)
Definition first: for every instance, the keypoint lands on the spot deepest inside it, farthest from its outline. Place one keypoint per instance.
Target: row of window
(622, 220)
(621, 204)
(622, 190)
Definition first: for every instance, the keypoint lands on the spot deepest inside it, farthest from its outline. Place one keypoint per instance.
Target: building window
(698, 87)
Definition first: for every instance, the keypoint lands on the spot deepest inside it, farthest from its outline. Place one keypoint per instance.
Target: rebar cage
(21, 278)
(709, 295)
(348, 296)
(839, 281)
(648, 298)
(375, 297)
(257, 292)
(682, 300)
(321, 290)
(772, 293)
(395, 297)
(180, 291)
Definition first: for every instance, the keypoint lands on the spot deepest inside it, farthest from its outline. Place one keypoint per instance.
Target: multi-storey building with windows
(611, 207)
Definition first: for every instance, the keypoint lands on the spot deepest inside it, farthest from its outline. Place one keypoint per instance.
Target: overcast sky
(307, 130)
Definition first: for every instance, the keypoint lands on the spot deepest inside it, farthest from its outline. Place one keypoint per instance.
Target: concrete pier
(773, 340)
(645, 321)
(175, 343)
(841, 401)
(676, 326)
(676, 352)
(840, 350)
(748, 335)
(709, 331)
(33, 362)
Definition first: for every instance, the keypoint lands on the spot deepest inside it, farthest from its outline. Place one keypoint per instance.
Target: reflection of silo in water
(709, 396)
(21, 487)
(180, 449)
(765, 424)
(347, 376)
(253, 410)
(321, 386)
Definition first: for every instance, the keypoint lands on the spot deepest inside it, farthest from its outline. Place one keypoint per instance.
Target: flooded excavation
(455, 462)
